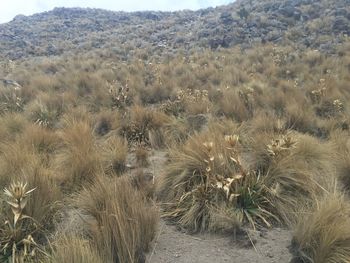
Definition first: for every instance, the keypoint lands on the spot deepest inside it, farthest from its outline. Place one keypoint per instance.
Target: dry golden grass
(46, 201)
(106, 121)
(301, 119)
(175, 132)
(122, 224)
(114, 153)
(141, 155)
(70, 249)
(16, 161)
(142, 122)
(342, 147)
(143, 182)
(71, 128)
(78, 161)
(12, 124)
(299, 174)
(41, 140)
(148, 118)
(232, 106)
(77, 114)
(291, 170)
(323, 233)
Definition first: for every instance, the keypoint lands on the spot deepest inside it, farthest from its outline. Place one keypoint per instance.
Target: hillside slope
(307, 23)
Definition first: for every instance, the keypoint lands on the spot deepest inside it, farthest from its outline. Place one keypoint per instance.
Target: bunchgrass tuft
(207, 178)
(122, 224)
(323, 231)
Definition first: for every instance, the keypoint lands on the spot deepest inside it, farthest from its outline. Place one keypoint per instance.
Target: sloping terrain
(305, 23)
(218, 135)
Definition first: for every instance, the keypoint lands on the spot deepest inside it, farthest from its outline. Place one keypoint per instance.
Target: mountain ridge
(306, 23)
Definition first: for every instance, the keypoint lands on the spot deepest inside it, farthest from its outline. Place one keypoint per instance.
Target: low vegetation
(255, 137)
(322, 234)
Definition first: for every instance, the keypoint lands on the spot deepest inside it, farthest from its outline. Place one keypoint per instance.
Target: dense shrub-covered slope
(317, 24)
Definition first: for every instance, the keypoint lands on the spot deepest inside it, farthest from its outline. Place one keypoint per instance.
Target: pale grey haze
(10, 8)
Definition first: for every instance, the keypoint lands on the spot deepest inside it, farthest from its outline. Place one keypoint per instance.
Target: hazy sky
(11, 8)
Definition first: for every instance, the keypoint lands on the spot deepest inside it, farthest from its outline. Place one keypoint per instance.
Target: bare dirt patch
(176, 246)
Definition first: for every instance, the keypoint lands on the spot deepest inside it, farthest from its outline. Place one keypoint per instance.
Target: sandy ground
(173, 246)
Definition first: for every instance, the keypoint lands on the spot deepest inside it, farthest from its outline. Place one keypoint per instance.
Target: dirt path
(174, 246)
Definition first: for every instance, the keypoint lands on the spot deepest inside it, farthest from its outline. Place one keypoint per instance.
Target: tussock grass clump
(46, 109)
(238, 106)
(11, 100)
(342, 144)
(106, 121)
(70, 249)
(143, 182)
(122, 224)
(114, 153)
(322, 234)
(175, 132)
(46, 200)
(301, 169)
(25, 165)
(32, 149)
(78, 161)
(213, 174)
(154, 94)
(11, 125)
(141, 122)
(40, 140)
(195, 101)
(76, 115)
(207, 187)
(15, 161)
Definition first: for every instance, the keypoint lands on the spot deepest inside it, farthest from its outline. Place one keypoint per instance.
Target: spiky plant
(16, 236)
(120, 94)
(317, 94)
(18, 199)
(280, 146)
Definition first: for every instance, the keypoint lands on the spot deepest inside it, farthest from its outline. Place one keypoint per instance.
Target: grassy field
(255, 138)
